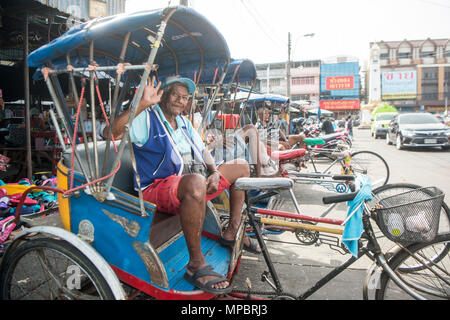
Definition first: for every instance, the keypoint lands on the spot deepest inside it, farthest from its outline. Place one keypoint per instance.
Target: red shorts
(163, 193)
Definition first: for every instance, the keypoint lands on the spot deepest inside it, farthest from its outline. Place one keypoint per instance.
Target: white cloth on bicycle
(354, 227)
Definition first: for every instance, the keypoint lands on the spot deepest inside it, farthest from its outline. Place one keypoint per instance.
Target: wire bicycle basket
(412, 216)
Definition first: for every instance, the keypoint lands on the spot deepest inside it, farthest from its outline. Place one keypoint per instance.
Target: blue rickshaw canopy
(191, 45)
(245, 71)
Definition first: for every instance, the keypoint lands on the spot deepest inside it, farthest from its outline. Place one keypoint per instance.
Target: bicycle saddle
(331, 136)
(263, 183)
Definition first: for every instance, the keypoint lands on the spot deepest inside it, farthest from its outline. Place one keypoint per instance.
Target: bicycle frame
(371, 249)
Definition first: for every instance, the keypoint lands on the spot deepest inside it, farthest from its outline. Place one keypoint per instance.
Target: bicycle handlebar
(340, 198)
(343, 177)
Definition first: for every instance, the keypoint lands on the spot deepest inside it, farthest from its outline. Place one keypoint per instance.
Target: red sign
(340, 83)
(231, 121)
(339, 104)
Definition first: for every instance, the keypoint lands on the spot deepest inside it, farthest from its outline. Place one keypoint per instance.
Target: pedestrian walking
(350, 126)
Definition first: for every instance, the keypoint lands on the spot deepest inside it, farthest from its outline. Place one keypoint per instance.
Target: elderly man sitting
(175, 188)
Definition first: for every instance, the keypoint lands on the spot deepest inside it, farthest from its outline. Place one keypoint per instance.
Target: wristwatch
(212, 172)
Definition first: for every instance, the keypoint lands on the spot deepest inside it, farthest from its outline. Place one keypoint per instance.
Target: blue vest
(158, 158)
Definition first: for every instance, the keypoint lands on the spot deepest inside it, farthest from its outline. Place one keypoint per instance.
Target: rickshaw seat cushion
(124, 178)
(287, 154)
(263, 183)
(331, 136)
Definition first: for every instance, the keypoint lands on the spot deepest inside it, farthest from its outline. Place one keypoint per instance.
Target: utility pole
(446, 106)
(26, 76)
(288, 68)
(288, 81)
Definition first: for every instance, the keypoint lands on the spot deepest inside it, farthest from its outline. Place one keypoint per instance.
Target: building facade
(414, 75)
(305, 80)
(87, 9)
(340, 88)
(271, 78)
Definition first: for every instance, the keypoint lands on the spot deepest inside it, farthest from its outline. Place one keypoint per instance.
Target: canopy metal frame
(99, 184)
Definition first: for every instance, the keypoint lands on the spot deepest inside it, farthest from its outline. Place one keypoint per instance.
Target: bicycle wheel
(368, 163)
(348, 141)
(372, 165)
(431, 280)
(50, 269)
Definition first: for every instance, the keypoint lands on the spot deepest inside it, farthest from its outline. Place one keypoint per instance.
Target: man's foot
(206, 279)
(250, 245)
(269, 170)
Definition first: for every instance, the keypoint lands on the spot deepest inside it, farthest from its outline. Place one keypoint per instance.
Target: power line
(267, 23)
(274, 40)
(434, 3)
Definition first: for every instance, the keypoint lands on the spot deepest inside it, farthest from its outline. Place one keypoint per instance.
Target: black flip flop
(252, 248)
(207, 287)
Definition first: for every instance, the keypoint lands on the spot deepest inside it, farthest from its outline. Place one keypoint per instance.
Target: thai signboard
(399, 84)
(340, 83)
(339, 104)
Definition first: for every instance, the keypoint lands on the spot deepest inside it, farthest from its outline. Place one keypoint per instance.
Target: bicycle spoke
(422, 267)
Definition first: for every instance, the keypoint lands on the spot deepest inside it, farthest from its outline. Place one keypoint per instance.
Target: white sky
(258, 29)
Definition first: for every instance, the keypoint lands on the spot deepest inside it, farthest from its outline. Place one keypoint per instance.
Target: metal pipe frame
(69, 134)
(220, 108)
(138, 96)
(213, 97)
(93, 114)
(100, 69)
(245, 104)
(27, 99)
(298, 225)
(114, 101)
(57, 129)
(81, 119)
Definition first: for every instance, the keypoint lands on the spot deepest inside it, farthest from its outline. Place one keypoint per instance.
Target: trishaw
(115, 245)
(304, 164)
(110, 234)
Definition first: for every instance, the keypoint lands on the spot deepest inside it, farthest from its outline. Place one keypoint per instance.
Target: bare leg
(293, 139)
(233, 170)
(192, 195)
(257, 149)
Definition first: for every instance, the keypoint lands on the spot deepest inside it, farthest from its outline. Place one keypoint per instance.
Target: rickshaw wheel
(51, 269)
(284, 297)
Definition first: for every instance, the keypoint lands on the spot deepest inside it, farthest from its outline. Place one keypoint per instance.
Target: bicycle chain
(264, 293)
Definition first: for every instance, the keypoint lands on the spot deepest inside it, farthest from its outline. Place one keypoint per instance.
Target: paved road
(301, 266)
(423, 166)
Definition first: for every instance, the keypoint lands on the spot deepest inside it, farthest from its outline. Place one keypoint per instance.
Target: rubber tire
(388, 142)
(348, 141)
(400, 256)
(398, 142)
(62, 247)
(378, 156)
